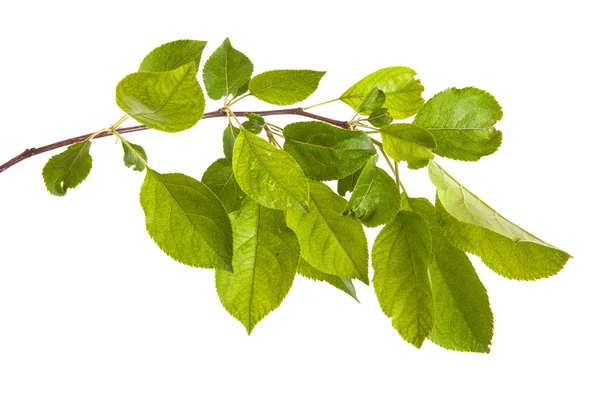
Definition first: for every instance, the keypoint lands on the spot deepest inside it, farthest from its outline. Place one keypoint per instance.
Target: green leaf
(68, 169)
(131, 160)
(229, 136)
(265, 258)
(473, 226)
(243, 89)
(402, 91)
(380, 118)
(348, 183)
(268, 175)
(372, 101)
(408, 142)
(226, 71)
(220, 179)
(255, 119)
(462, 123)
(326, 152)
(187, 220)
(341, 283)
(376, 198)
(332, 243)
(401, 256)
(168, 101)
(463, 317)
(172, 55)
(285, 87)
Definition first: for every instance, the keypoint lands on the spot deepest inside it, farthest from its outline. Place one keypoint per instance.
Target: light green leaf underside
(172, 55)
(168, 101)
(285, 87)
(462, 123)
(402, 91)
(475, 227)
(68, 169)
(187, 220)
(325, 152)
(409, 143)
(225, 71)
(265, 258)
(131, 160)
(402, 253)
(348, 183)
(220, 179)
(376, 198)
(268, 175)
(463, 317)
(341, 283)
(332, 243)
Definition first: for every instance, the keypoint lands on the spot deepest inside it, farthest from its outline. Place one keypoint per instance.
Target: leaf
(376, 198)
(462, 123)
(372, 101)
(285, 87)
(131, 160)
(186, 220)
(402, 91)
(348, 183)
(463, 317)
(332, 243)
(473, 226)
(229, 136)
(408, 142)
(326, 152)
(268, 175)
(401, 256)
(341, 283)
(265, 257)
(380, 118)
(226, 71)
(243, 89)
(68, 169)
(168, 101)
(172, 55)
(220, 179)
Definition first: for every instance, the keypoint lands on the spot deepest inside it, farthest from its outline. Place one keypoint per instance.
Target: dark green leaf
(380, 117)
(348, 183)
(265, 258)
(172, 55)
(462, 123)
(376, 198)
(372, 101)
(220, 179)
(341, 283)
(131, 159)
(168, 101)
(402, 91)
(408, 142)
(326, 152)
(229, 136)
(187, 220)
(332, 243)
(268, 175)
(243, 89)
(285, 87)
(226, 71)
(255, 119)
(68, 169)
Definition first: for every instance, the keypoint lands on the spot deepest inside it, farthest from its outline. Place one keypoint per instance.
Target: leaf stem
(320, 104)
(137, 155)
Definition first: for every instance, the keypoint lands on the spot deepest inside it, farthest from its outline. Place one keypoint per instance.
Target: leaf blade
(226, 71)
(220, 179)
(68, 169)
(285, 87)
(172, 55)
(341, 283)
(408, 142)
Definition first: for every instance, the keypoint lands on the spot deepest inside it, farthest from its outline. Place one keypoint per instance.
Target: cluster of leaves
(262, 214)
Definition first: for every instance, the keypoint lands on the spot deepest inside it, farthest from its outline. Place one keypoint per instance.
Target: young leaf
(131, 160)
(462, 123)
(408, 142)
(402, 91)
(326, 152)
(68, 169)
(186, 220)
(372, 101)
(341, 283)
(220, 179)
(376, 198)
(226, 71)
(243, 89)
(285, 87)
(172, 55)
(332, 243)
(463, 317)
(229, 136)
(380, 118)
(168, 101)
(265, 258)
(475, 227)
(401, 257)
(348, 183)
(268, 175)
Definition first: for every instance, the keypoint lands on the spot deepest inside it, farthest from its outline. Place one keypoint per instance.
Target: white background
(92, 312)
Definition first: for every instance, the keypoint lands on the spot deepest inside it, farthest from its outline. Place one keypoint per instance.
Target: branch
(27, 153)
